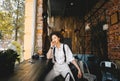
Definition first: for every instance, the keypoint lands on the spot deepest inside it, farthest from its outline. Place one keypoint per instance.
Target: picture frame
(114, 18)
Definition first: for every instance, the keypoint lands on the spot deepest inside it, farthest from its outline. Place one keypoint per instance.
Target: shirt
(59, 54)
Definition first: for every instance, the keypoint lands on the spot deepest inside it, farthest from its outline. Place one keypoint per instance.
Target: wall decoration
(114, 18)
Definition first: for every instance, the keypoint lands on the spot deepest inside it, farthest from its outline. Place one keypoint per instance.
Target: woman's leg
(67, 74)
(51, 75)
(67, 77)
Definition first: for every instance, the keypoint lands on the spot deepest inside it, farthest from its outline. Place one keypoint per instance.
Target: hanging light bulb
(105, 27)
(87, 27)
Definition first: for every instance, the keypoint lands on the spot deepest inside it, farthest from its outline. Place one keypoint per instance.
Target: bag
(73, 70)
(35, 56)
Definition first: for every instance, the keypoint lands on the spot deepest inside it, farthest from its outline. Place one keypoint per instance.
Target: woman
(56, 53)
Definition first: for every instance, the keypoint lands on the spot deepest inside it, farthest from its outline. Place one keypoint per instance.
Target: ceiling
(70, 7)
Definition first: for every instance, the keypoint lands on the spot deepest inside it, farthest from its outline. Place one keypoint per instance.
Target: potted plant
(7, 61)
(14, 45)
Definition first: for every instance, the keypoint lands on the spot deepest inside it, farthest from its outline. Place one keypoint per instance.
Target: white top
(59, 54)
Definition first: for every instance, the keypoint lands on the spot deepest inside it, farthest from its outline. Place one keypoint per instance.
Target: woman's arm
(49, 54)
(71, 59)
(78, 68)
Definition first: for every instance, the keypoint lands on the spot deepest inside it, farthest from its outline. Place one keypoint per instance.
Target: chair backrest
(82, 64)
(108, 66)
(86, 74)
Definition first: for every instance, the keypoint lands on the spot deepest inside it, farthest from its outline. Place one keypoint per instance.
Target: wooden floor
(27, 71)
(30, 70)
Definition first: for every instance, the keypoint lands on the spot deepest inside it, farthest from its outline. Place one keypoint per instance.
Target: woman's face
(55, 39)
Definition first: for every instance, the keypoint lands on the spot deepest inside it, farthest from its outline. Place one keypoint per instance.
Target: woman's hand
(52, 44)
(79, 74)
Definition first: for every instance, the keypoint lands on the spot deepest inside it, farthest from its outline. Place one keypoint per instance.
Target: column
(30, 17)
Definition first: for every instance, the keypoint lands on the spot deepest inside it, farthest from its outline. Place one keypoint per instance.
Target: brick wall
(114, 30)
(39, 25)
(111, 12)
